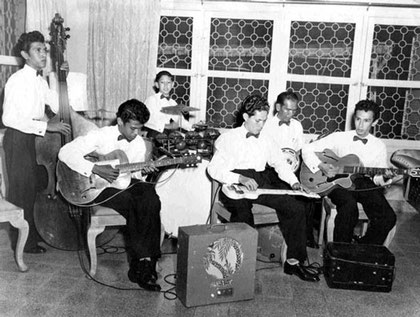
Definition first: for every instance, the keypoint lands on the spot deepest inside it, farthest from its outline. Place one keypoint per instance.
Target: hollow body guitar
(349, 165)
(79, 189)
(241, 192)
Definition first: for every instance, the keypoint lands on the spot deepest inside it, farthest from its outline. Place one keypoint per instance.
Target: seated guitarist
(287, 132)
(139, 203)
(372, 153)
(241, 158)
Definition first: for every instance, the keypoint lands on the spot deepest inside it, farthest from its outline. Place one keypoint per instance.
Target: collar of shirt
(31, 71)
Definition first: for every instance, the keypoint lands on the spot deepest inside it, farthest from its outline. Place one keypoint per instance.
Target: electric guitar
(348, 166)
(241, 192)
(79, 189)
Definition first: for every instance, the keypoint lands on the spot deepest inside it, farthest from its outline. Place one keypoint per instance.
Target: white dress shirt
(101, 141)
(157, 118)
(25, 97)
(371, 154)
(235, 151)
(284, 136)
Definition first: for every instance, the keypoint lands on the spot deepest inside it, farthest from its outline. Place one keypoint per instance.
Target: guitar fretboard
(373, 170)
(131, 167)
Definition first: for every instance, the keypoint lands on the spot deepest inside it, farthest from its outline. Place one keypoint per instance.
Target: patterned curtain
(122, 48)
(12, 23)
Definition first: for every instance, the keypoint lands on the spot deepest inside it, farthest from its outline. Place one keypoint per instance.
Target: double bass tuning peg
(67, 29)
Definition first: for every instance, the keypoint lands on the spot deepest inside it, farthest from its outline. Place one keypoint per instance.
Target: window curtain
(122, 48)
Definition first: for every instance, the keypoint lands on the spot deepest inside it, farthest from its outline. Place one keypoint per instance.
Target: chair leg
(91, 240)
(23, 227)
(390, 236)
(322, 226)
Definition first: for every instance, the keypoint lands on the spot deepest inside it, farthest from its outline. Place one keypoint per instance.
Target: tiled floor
(55, 285)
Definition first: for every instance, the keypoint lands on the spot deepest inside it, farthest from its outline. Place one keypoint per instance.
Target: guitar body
(323, 185)
(79, 189)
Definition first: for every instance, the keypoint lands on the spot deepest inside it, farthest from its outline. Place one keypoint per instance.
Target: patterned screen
(240, 45)
(321, 48)
(175, 42)
(400, 112)
(181, 91)
(395, 53)
(322, 107)
(224, 97)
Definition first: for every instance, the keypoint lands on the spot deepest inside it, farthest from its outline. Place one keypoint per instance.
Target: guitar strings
(128, 187)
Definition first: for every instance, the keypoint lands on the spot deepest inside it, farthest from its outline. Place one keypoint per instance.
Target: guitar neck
(373, 170)
(286, 192)
(132, 167)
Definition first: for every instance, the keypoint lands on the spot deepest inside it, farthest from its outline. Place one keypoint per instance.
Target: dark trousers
(22, 173)
(381, 216)
(290, 211)
(140, 206)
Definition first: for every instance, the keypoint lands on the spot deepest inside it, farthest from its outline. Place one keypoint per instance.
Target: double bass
(52, 213)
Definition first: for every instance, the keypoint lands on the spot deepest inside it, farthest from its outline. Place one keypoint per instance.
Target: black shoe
(36, 250)
(300, 271)
(142, 273)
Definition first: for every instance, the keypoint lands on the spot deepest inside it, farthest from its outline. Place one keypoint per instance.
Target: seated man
(139, 203)
(241, 158)
(372, 153)
(286, 133)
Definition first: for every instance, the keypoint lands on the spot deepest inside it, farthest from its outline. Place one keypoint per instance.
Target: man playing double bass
(26, 96)
(372, 153)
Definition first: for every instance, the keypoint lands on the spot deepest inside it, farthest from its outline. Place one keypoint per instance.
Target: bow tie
(284, 122)
(39, 73)
(121, 137)
(356, 138)
(249, 134)
(164, 97)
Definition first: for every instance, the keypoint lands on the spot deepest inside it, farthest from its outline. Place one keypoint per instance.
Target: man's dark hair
(163, 73)
(250, 105)
(368, 105)
(133, 110)
(254, 103)
(25, 41)
(285, 95)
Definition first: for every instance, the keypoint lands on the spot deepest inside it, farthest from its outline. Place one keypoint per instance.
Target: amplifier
(216, 263)
(359, 266)
(270, 240)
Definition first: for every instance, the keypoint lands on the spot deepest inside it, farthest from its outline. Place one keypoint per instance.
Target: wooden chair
(262, 215)
(329, 212)
(100, 218)
(14, 215)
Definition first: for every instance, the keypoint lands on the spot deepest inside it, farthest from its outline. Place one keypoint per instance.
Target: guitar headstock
(191, 160)
(58, 43)
(414, 172)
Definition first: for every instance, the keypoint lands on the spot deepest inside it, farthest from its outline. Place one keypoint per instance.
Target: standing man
(138, 203)
(25, 96)
(241, 157)
(372, 153)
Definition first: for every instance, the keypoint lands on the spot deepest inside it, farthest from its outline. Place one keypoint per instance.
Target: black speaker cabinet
(216, 263)
(359, 266)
